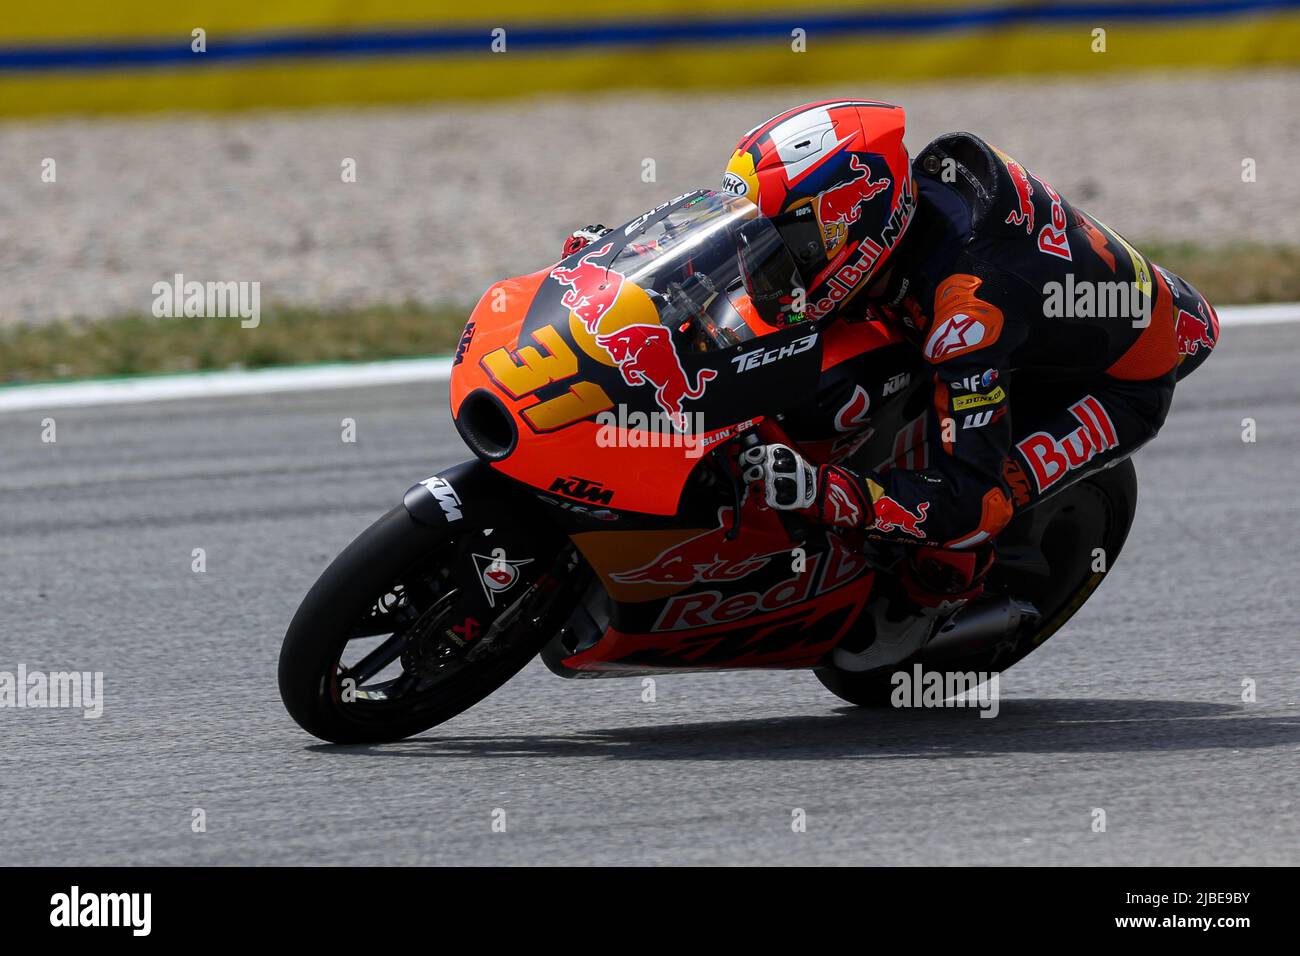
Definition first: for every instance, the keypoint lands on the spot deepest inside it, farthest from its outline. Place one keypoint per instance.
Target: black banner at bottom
(347, 906)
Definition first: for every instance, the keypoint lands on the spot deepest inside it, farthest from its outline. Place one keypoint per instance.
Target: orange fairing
(495, 323)
(648, 480)
(845, 340)
(793, 623)
(558, 440)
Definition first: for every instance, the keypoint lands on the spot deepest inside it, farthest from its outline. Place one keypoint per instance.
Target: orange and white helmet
(835, 179)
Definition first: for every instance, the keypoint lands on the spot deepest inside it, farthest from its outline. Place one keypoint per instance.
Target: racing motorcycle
(603, 522)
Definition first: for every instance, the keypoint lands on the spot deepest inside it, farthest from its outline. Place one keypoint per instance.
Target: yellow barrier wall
(85, 56)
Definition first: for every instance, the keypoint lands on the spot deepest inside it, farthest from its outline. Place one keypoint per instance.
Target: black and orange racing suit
(1054, 345)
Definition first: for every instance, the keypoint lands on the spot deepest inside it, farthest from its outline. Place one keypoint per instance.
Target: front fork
(505, 545)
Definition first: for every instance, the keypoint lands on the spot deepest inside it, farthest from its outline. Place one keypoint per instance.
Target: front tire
(396, 577)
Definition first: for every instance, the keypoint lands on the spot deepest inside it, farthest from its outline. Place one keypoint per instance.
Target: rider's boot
(933, 584)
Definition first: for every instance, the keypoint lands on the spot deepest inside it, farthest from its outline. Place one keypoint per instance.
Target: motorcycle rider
(1052, 343)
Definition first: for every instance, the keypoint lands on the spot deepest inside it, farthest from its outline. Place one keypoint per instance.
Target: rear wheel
(1046, 557)
(394, 637)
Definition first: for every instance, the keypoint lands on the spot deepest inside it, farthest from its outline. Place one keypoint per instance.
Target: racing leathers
(1053, 343)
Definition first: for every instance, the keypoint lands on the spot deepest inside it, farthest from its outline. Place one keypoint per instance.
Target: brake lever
(736, 474)
(794, 526)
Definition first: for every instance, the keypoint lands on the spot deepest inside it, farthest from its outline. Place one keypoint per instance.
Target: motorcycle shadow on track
(1022, 726)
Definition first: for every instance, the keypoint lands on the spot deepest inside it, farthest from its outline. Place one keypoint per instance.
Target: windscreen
(715, 267)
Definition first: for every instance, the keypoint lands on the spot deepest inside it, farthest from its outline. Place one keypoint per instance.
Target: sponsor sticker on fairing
(757, 357)
(446, 495)
(497, 573)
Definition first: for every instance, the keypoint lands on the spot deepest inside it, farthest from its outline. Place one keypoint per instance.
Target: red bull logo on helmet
(850, 277)
(841, 206)
(645, 356)
(592, 286)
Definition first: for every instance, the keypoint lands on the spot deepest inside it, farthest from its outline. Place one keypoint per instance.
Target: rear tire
(1095, 512)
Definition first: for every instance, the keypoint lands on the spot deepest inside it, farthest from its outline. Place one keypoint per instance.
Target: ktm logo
(442, 490)
(581, 489)
(463, 346)
(896, 384)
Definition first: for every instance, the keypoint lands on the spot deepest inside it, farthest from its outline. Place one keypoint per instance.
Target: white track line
(1270, 313)
(161, 388)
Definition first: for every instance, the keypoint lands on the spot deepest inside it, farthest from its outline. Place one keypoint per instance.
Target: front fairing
(613, 390)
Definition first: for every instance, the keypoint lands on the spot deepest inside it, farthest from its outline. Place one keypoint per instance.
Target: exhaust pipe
(978, 625)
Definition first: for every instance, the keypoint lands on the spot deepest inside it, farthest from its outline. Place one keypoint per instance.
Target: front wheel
(396, 637)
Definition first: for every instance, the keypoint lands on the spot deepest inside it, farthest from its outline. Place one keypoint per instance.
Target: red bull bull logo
(1195, 330)
(1023, 214)
(592, 287)
(840, 206)
(892, 516)
(645, 356)
(711, 556)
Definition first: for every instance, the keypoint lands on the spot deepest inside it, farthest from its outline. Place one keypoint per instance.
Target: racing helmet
(835, 180)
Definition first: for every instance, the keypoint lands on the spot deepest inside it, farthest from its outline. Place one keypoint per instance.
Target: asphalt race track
(1135, 707)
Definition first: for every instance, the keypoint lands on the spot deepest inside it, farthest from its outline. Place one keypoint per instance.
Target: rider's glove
(581, 238)
(829, 494)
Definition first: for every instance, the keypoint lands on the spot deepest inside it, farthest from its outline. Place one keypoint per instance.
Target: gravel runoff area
(449, 198)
